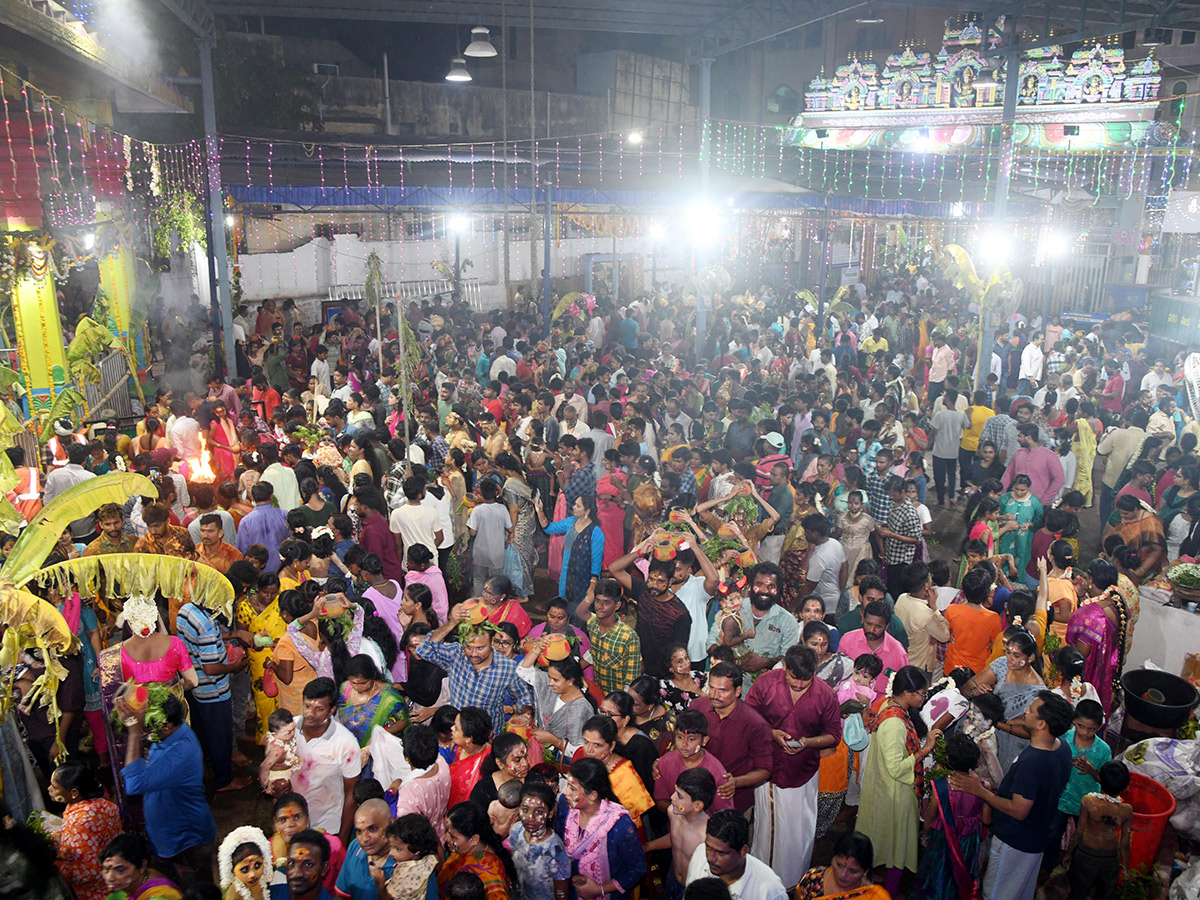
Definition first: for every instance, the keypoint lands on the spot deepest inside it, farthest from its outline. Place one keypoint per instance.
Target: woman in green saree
(369, 701)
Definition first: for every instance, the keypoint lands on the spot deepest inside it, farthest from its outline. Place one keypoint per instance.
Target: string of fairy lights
(59, 158)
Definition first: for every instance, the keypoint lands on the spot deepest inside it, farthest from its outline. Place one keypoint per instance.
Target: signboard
(850, 275)
(1182, 215)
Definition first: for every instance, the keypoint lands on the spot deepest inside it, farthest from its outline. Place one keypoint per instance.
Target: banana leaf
(78, 502)
(32, 624)
(8, 378)
(64, 405)
(125, 574)
(92, 340)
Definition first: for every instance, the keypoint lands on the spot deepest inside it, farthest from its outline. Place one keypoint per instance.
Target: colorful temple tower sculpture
(943, 102)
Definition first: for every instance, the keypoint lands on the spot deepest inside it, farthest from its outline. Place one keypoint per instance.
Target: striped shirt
(205, 646)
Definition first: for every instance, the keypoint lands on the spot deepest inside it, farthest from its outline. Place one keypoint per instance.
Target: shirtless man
(1101, 842)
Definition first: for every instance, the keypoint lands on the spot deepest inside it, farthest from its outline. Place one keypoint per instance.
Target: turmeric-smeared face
(249, 869)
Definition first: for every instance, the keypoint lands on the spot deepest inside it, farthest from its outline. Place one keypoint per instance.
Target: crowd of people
(610, 612)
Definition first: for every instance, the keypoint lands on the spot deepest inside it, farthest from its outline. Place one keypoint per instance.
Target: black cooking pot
(1179, 698)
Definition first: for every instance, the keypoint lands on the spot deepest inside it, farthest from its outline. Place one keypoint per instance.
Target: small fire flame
(201, 469)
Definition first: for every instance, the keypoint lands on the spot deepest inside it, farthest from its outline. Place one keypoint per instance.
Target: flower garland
(1075, 690)
(891, 680)
(1103, 796)
(246, 834)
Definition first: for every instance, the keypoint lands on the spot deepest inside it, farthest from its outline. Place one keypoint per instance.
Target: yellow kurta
(889, 811)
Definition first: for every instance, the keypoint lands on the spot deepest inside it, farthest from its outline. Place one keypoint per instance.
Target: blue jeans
(1108, 502)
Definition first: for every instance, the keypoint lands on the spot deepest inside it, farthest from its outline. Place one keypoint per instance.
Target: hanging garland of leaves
(178, 223)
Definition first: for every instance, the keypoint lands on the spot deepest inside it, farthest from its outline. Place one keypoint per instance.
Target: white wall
(313, 268)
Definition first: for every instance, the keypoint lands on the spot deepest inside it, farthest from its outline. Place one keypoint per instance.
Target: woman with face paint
(599, 836)
(125, 865)
(244, 863)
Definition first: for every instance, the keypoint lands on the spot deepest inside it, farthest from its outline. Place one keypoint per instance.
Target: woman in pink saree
(1097, 630)
(609, 490)
(222, 437)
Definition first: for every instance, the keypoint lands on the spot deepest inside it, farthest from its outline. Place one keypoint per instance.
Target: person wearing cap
(776, 453)
(64, 436)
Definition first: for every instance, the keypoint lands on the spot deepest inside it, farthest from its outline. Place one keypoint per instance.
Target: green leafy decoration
(178, 223)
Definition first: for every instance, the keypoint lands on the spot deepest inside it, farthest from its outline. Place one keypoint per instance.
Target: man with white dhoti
(805, 719)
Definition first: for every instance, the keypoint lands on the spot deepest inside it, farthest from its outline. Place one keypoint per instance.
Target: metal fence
(420, 289)
(1076, 282)
(112, 393)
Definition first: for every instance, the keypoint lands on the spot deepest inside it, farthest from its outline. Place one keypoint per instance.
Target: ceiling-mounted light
(481, 44)
(634, 137)
(868, 16)
(458, 70)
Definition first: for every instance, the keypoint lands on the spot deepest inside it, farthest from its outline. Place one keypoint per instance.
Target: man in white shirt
(341, 384)
(414, 523)
(571, 423)
(320, 368)
(331, 762)
(280, 477)
(694, 592)
(826, 575)
(1033, 361)
(725, 855)
(570, 398)
(1157, 376)
(184, 432)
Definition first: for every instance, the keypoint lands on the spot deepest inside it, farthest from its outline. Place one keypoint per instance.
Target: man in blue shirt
(170, 781)
(368, 850)
(307, 863)
(1024, 805)
(630, 329)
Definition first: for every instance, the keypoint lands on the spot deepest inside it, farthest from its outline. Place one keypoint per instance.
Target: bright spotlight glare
(230, 221)
(89, 240)
(995, 247)
(957, 210)
(458, 223)
(921, 144)
(634, 137)
(1056, 243)
(703, 223)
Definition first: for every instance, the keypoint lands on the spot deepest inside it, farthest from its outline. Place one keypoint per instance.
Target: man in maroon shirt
(375, 536)
(738, 736)
(804, 716)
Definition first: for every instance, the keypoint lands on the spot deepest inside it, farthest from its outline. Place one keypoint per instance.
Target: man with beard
(737, 736)
(662, 619)
(775, 629)
(367, 852)
(307, 863)
(803, 713)
(873, 638)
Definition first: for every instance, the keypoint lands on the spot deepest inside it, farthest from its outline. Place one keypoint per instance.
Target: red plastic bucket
(1152, 806)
